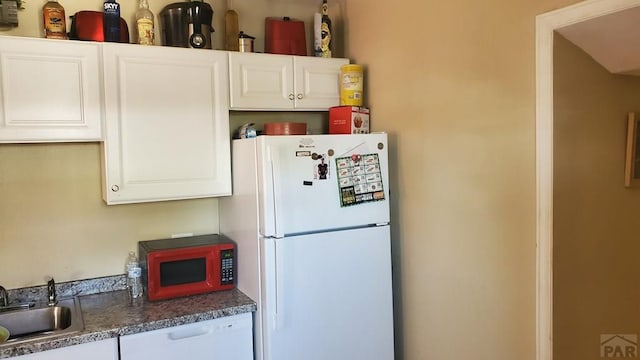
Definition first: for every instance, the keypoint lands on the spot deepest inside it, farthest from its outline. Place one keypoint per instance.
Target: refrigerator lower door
(328, 296)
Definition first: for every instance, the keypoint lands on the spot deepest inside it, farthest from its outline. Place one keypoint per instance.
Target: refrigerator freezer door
(322, 182)
(328, 296)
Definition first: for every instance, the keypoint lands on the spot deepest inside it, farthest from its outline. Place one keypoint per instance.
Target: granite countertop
(113, 313)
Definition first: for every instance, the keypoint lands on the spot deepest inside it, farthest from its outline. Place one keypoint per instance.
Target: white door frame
(546, 24)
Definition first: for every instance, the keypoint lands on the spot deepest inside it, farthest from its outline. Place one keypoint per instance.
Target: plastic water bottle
(134, 276)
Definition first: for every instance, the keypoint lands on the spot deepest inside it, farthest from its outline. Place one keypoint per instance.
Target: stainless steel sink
(41, 322)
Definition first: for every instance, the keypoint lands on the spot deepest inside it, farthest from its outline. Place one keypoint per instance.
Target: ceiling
(612, 40)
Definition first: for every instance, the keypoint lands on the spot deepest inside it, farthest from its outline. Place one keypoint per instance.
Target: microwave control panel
(226, 267)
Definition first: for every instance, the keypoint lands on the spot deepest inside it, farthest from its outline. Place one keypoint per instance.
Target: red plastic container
(285, 36)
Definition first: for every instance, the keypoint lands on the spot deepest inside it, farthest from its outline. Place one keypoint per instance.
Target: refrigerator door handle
(267, 204)
(279, 286)
(276, 189)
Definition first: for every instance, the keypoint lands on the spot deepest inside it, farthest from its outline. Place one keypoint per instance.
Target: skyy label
(111, 21)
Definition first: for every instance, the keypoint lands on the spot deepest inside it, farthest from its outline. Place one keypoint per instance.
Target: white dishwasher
(226, 338)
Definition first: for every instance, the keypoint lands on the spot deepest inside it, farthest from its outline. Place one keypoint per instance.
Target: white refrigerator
(310, 217)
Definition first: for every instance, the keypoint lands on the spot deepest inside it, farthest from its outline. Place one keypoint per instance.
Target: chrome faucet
(51, 292)
(4, 297)
(4, 302)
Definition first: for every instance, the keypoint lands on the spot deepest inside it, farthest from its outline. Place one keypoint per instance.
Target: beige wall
(53, 220)
(596, 230)
(251, 17)
(30, 19)
(453, 82)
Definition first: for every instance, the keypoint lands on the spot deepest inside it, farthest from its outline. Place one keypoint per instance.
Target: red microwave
(187, 266)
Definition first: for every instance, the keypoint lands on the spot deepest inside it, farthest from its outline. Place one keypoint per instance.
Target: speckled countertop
(113, 313)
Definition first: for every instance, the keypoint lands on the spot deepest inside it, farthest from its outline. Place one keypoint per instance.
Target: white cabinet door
(261, 81)
(317, 82)
(228, 338)
(166, 124)
(283, 82)
(97, 350)
(50, 90)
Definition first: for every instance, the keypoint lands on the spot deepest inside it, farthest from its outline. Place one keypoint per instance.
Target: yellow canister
(351, 84)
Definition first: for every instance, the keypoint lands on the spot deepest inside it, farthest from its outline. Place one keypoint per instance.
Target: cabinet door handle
(291, 97)
(299, 96)
(189, 333)
(115, 188)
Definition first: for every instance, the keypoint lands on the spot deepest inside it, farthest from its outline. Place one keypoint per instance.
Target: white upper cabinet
(283, 82)
(49, 90)
(166, 124)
